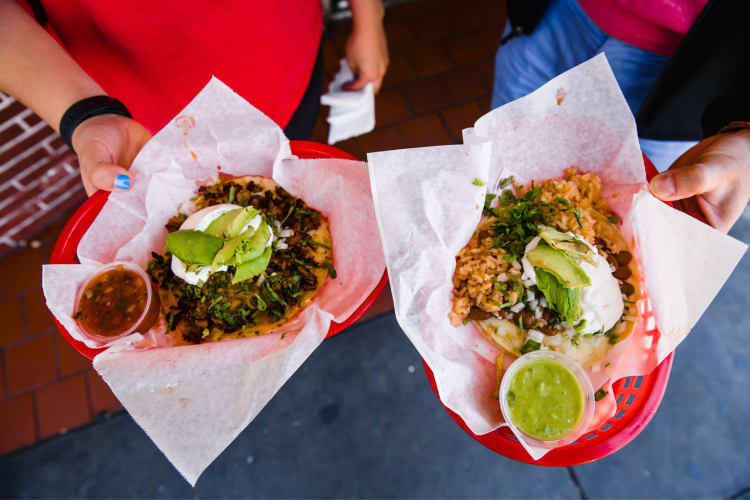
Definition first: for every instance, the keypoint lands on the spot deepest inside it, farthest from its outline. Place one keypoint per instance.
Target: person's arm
(711, 181)
(38, 72)
(367, 48)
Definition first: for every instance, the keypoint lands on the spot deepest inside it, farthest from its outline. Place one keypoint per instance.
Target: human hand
(106, 146)
(711, 181)
(367, 48)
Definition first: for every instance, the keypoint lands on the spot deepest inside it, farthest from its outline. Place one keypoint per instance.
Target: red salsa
(112, 302)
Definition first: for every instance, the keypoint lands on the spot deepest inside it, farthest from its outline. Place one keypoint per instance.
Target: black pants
(302, 123)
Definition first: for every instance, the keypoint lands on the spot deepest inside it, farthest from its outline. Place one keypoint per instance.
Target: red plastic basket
(637, 400)
(67, 244)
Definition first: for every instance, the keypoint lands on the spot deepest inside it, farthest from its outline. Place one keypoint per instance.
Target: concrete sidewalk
(360, 420)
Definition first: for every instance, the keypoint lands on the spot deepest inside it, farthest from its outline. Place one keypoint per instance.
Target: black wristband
(88, 108)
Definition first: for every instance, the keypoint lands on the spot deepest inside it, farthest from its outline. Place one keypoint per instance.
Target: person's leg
(302, 122)
(636, 71)
(565, 37)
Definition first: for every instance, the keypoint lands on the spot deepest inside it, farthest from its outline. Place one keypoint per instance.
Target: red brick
(464, 84)
(32, 119)
(10, 111)
(398, 33)
(432, 26)
(494, 11)
(62, 406)
(21, 270)
(102, 399)
(460, 117)
(428, 58)
(467, 49)
(399, 70)
(12, 329)
(16, 423)
(72, 184)
(487, 71)
(57, 144)
(352, 147)
(71, 361)
(49, 173)
(30, 364)
(25, 144)
(491, 37)
(425, 131)
(382, 139)
(390, 107)
(426, 94)
(484, 104)
(38, 317)
(10, 133)
(20, 168)
(18, 216)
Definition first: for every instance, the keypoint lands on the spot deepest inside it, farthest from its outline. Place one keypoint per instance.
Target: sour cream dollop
(601, 302)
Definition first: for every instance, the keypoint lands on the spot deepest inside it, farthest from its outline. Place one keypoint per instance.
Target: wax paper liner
(429, 201)
(194, 400)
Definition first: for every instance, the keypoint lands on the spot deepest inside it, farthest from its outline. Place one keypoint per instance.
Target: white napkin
(352, 111)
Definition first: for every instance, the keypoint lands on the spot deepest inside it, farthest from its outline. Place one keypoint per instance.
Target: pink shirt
(655, 25)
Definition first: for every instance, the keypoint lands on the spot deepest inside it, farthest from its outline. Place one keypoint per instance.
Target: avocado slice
(560, 265)
(566, 301)
(567, 243)
(240, 221)
(193, 247)
(252, 268)
(219, 226)
(252, 247)
(225, 256)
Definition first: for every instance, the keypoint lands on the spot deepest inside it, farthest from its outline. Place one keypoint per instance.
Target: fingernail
(663, 185)
(122, 181)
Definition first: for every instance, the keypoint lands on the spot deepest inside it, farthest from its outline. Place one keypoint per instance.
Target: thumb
(357, 84)
(101, 173)
(687, 181)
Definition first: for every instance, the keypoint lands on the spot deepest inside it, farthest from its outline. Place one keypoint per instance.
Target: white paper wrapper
(428, 208)
(194, 400)
(352, 111)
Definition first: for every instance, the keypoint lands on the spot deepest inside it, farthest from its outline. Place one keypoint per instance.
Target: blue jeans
(565, 37)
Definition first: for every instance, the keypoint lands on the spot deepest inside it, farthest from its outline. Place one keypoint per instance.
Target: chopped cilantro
(232, 191)
(501, 306)
(612, 335)
(478, 182)
(311, 242)
(503, 183)
(466, 321)
(262, 306)
(578, 215)
(613, 219)
(563, 202)
(600, 394)
(331, 269)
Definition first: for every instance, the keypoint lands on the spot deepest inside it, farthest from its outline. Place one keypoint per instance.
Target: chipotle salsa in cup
(115, 302)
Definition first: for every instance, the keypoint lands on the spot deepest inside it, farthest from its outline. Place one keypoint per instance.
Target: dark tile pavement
(360, 420)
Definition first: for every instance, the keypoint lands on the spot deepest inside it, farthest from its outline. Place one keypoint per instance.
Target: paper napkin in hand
(352, 111)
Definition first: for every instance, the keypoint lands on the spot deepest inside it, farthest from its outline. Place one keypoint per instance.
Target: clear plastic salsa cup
(145, 319)
(580, 376)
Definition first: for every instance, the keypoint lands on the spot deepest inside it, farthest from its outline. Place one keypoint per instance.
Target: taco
(248, 259)
(548, 268)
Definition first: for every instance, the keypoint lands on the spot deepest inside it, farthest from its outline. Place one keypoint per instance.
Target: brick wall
(39, 177)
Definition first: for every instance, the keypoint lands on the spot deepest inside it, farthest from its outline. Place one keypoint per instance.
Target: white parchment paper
(194, 400)
(428, 207)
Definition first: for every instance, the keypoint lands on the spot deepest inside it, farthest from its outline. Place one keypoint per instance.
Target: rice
(485, 278)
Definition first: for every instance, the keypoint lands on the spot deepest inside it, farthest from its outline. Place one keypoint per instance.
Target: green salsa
(545, 400)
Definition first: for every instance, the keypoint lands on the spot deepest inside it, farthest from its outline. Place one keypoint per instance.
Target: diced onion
(286, 233)
(553, 340)
(531, 295)
(533, 304)
(517, 307)
(502, 277)
(516, 265)
(535, 335)
(282, 245)
(543, 302)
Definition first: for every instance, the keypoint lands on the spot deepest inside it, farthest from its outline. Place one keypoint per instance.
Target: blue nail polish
(122, 181)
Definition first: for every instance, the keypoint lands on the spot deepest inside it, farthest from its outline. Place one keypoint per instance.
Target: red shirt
(156, 55)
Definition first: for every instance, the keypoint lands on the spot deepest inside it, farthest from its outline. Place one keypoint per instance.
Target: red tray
(637, 400)
(67, 244)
